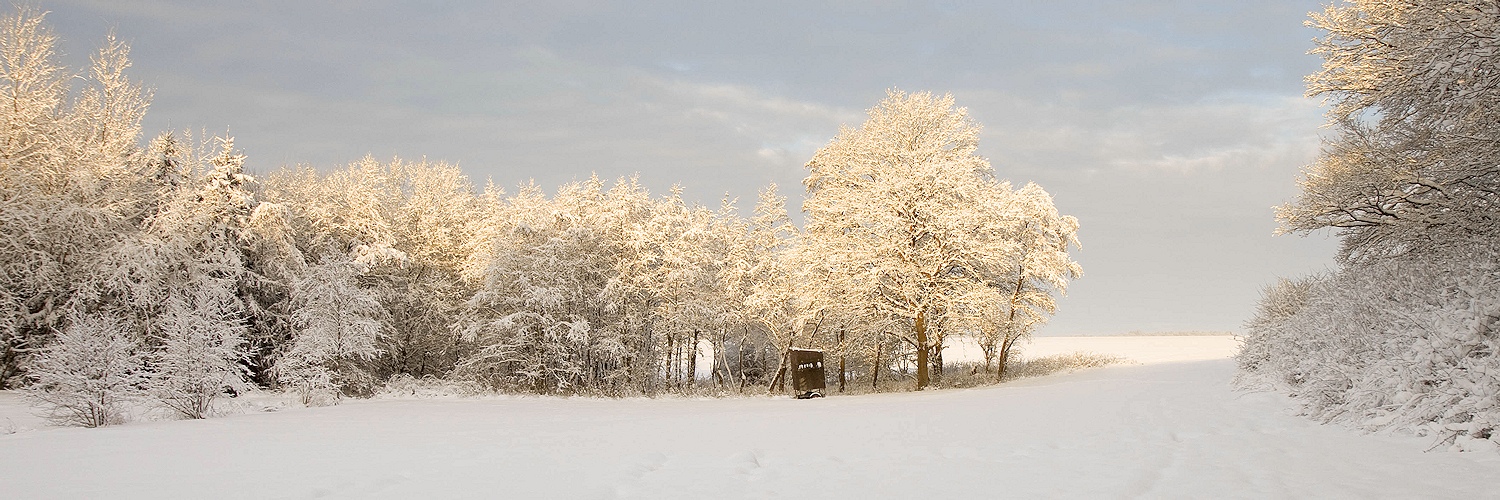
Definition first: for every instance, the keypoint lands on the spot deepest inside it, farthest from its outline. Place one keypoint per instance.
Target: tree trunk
(989, 354)
(875, 368)
(720, 374)
(739, 359)
(937, 359)
(692, 371)
(922, 349)
(671, 359)
(1010, 322)
(841, 360)
(778, 384)
(1004, 358)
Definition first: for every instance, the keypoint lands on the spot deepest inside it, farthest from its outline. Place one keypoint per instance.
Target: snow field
(1165, 429)
(1134, 349)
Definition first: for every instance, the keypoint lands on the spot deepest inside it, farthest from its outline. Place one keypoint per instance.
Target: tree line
(165, 271)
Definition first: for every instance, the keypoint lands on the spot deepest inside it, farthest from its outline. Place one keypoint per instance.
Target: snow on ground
(1161, 429)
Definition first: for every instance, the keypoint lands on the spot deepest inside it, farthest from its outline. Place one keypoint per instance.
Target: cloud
(1215, 135)
(1211, 134)
(545, 117)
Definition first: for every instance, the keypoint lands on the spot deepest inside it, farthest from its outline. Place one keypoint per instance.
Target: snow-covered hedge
(1406, 344)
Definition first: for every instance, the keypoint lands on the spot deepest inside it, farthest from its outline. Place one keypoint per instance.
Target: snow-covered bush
(88, 374)
(1407, 343)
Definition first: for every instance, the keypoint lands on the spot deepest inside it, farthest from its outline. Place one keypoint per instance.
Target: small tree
(337, 325)
(203, 346)
(87, 374)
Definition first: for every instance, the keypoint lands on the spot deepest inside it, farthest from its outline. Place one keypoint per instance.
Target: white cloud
(1207, 135)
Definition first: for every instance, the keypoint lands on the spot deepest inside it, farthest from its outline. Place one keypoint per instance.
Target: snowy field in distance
(1137, 349)
(1170, 427)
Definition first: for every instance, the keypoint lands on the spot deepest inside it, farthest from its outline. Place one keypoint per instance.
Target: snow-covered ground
(1162, 428)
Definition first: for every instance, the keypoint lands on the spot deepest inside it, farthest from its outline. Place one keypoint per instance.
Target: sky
(1169, 128)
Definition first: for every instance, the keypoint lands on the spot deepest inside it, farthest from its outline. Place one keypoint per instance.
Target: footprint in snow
(749, 463)
(651, 462)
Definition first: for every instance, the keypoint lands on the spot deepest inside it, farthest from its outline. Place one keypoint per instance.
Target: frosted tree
(891, 206)
(692, 247)
(599, 291)
(725, 254)
(1413, 163)
(743, 262)
(88, 373)
(201, 354)
(624, 216)
(432, 223)
(553, 313)
(531, 318)
(68, 183)
(1401, 334)
(177, 281)
(1016, 295)
(108, 113)
(337, 323)
(32, 87)
(203, 347)
(778, 300)
(408, 224)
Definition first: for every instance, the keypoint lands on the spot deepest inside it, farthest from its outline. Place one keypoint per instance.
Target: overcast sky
(1169, 128)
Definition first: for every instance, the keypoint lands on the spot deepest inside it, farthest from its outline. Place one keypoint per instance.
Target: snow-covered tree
(552, 313)
(408, 225)
(771, 264)
(779, 298)
(690, 252)
(1402, 334)
(88, 373)
(1015, 297)
(432, 219)
(68, 183)
(531, 318)
(1415, 162)
(603, 291)
(201, 353)
(177, 282)
(894, 211)
(337, 324)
